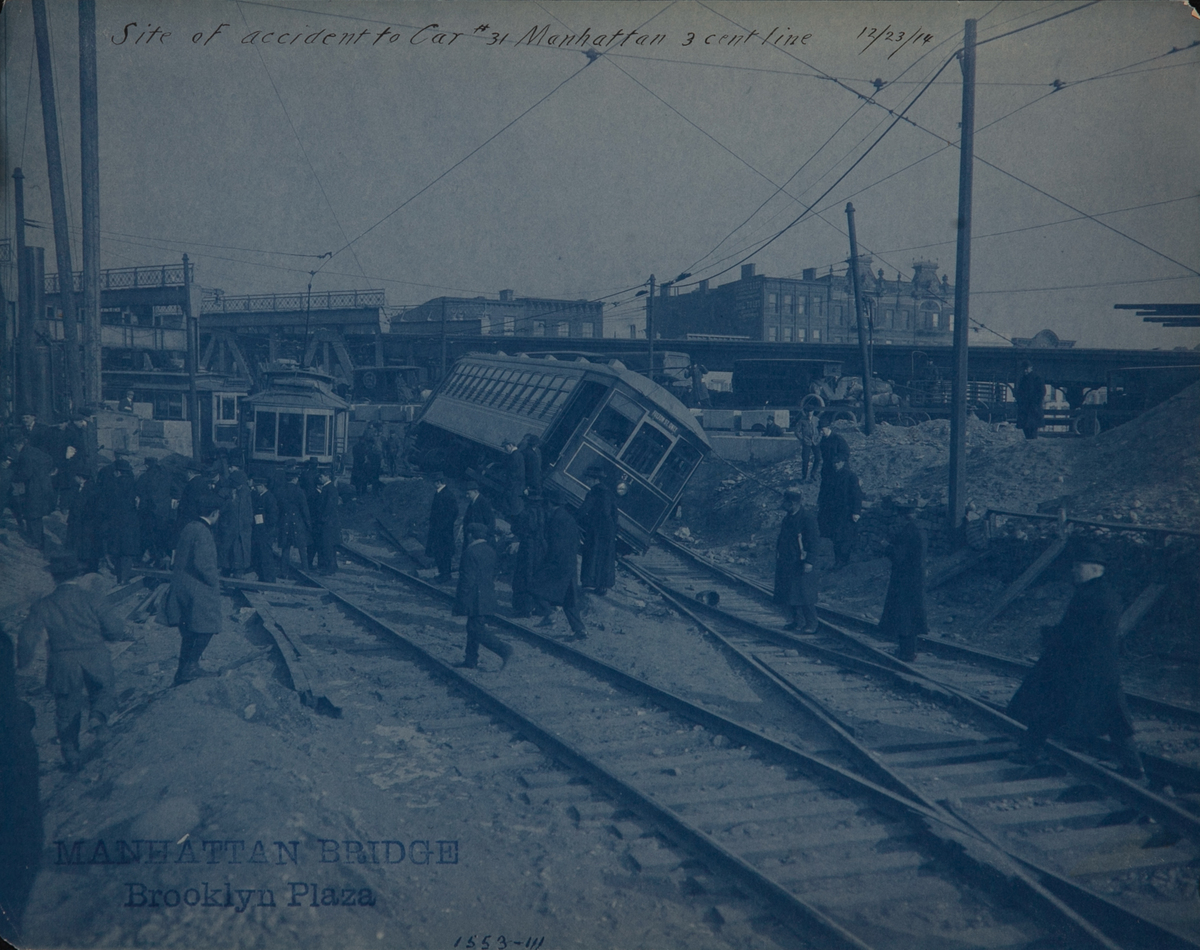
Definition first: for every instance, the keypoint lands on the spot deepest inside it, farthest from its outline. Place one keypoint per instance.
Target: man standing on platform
(1030, 394)
(795, 571)
(193, 602)
(476, 598)
(513, 479)
(809, 435)
(904, 616)
(443, 513)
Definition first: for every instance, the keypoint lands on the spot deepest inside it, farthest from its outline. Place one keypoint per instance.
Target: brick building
(508, 316)
(812, 309)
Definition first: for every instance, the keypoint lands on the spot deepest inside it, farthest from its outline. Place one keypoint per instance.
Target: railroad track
(844, 858)
(936, 729)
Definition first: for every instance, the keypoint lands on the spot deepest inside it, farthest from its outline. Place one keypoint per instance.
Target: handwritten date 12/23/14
(902, 38)
(497, 942)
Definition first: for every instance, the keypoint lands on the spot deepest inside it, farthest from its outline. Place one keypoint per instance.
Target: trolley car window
(314, 435)
(264, 431)
(646, 448)
(616, 423)
(291, 434)
(676, 469)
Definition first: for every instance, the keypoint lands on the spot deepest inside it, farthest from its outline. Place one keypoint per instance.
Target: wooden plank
(237, 583)
(1017, 587)
(410, 546)
(1139, 608)
(294, 653)
(951, 567)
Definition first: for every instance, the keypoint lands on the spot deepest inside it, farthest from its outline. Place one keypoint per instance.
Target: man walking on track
(476, 598)
(193, 603)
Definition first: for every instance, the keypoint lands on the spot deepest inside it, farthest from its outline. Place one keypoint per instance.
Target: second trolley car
(589, 416)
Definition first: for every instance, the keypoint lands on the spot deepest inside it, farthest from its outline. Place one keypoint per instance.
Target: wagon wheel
(811, 401)
(847, 414)
(919, 417)
(905, 419)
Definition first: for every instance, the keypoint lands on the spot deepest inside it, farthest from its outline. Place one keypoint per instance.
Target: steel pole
(868, 407)
(962, 288)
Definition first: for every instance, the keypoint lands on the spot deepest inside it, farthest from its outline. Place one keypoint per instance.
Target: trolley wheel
(1086, 424)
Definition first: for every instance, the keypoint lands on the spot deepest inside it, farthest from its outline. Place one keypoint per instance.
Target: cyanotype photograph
(533, 474)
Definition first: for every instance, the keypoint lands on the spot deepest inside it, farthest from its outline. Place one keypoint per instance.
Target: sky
(483, 154)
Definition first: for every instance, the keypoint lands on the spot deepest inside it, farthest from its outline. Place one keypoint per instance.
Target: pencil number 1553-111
(498, 942)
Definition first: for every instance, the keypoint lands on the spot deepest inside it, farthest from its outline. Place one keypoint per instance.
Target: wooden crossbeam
(1031, 573)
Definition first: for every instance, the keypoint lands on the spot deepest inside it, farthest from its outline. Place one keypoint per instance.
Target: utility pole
(89, 148)
(191, 318)
(58, 203)
(650, 328)
(23, 397)
(868, 407)
(962, 288)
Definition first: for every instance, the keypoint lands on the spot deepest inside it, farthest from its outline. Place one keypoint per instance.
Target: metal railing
(129, 278)
(329, 300)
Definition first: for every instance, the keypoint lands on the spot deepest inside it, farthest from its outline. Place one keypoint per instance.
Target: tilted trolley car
(587, 415)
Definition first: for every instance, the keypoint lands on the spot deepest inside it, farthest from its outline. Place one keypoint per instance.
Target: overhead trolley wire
(303, 151)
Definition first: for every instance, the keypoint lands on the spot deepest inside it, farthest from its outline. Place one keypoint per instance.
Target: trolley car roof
(614, 369)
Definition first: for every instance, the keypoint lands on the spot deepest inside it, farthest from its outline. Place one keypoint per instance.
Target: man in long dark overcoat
(235, 537)
(120, 528)
(531, 449)
(904, 616)
(264, 532)
(476, 597)
(295, 520)
(479, 511)
(1030, 394)
(329, 524)
(1074, 689)
(598, 519)
(33, 473)
(21, 826)
(512, 479)
(193, 602)
(796, 580)
(443, 513)
(838, 519)
(76, 621)
(833, 448)
(83, 522)
(529, 528)
(556, 582)
(155, 516)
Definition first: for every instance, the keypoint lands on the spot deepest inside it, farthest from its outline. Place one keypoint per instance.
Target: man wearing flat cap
(795, 570)
(76, 621)
(1074, 690)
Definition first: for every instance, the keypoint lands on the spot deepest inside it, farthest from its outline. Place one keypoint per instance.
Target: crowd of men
(543, 545)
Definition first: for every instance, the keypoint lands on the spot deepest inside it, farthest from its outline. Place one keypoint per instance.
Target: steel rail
(1007, 664)
(884, 664)
(1119, 918)
(979, 855)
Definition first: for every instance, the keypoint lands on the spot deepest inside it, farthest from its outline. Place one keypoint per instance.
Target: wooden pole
(650, 328)
(89, 148)
(23, 395)
(962, 288)
(192, 323)
(58, 203)
(868, 407)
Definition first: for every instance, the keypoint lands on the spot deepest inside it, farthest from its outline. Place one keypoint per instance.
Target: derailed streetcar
(589, 416)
